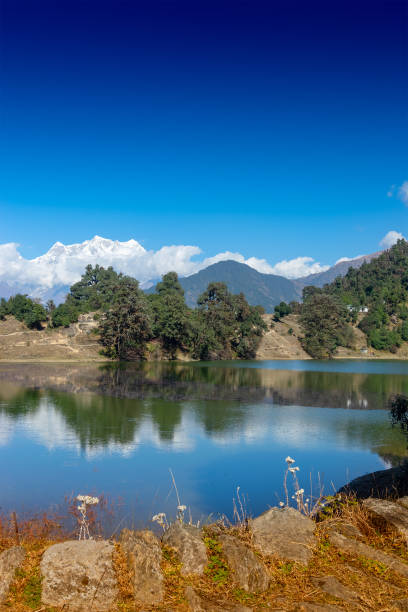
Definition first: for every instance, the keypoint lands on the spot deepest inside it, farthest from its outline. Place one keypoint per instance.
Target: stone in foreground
(190, 548)
(392, 513)
(143, 553)
(284, 532)
(79, 575)
(249, 573)
(333, 587)
(10, 560)
(363, 550)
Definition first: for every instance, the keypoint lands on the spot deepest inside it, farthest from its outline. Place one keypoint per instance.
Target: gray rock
(190, 548)
(394, 514)
(197, 603)
(284, 532)
(333, 587)
(10, 560)
(249, 572)
(143, 552)
(79, 575)
(361, 549)
(345, 528)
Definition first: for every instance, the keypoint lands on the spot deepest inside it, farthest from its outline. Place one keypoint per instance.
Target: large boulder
(249, 572)
(390, 512)
(143, 552)
(10, 560)
(284, 532)
(187, 541)
(79, 575)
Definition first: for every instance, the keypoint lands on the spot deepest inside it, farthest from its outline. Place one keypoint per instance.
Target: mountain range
(266, 290)
(50, 275)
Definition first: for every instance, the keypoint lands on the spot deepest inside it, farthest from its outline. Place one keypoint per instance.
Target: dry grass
(291, 583)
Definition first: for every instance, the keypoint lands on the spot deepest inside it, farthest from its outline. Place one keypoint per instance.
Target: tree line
(223, 326)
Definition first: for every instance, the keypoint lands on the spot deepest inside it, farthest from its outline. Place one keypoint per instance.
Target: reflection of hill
(177, 382)
(116, 407)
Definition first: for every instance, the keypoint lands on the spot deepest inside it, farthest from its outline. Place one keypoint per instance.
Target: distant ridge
(340, 269)
(265, 290)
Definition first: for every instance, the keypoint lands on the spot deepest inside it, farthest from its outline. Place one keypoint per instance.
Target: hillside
(265, 290)
(339, 269)
(74, 343)
(374, 298)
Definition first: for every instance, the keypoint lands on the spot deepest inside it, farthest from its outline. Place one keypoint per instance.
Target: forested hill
(266, 290)
(374, 297)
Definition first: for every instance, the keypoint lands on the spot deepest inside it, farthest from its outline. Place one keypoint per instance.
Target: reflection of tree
(108, 405)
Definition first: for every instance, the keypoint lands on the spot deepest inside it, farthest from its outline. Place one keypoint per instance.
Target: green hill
(265, 290)
(374, 297)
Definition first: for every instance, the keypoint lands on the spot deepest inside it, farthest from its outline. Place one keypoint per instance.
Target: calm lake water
(69, 429)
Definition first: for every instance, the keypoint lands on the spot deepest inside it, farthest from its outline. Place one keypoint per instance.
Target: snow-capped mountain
(50, 275)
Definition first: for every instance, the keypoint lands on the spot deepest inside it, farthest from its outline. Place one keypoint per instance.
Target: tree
(225, 325)
(324, 326)
(26, 310)
(96, 289)
(126, 326)
(170, 314)
(282, 310)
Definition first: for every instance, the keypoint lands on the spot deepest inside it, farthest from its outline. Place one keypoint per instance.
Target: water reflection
(111, 408)
(118, 429)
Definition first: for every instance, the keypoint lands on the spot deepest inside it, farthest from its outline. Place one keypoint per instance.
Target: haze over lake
(115, 429)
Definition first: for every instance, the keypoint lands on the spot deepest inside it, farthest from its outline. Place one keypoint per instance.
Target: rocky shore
(353, 556)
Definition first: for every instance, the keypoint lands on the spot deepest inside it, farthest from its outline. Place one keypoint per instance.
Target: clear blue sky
(271, 128)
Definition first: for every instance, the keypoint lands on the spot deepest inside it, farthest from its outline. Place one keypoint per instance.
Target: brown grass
(291, 583)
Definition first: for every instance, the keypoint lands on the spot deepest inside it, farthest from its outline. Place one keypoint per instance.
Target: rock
(79, 575)
(202, 604)
(143, 552)
(361, 549)
(250, 573)
(10, 560)
(400, 604)
(345, 528)
(394, 514)
(333, 587)
(384, 483)
(191, 550)
(284, 532)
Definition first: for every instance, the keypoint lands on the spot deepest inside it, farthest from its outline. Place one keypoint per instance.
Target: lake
(118, 430)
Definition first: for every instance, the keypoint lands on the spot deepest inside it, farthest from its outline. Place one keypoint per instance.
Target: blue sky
(275, 129)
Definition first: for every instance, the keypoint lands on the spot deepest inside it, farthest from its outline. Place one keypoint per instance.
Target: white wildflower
(293, 470)
(281, 504)
(289, 460)
(300, 492)
(181, 508)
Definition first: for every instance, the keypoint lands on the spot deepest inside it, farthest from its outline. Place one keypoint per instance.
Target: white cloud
(391, 238)
(403, 193)
(298, 267)
(348, 259)
(63, 264)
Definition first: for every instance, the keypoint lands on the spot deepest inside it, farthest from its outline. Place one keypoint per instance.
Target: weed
(32, 590)
(216, 569)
